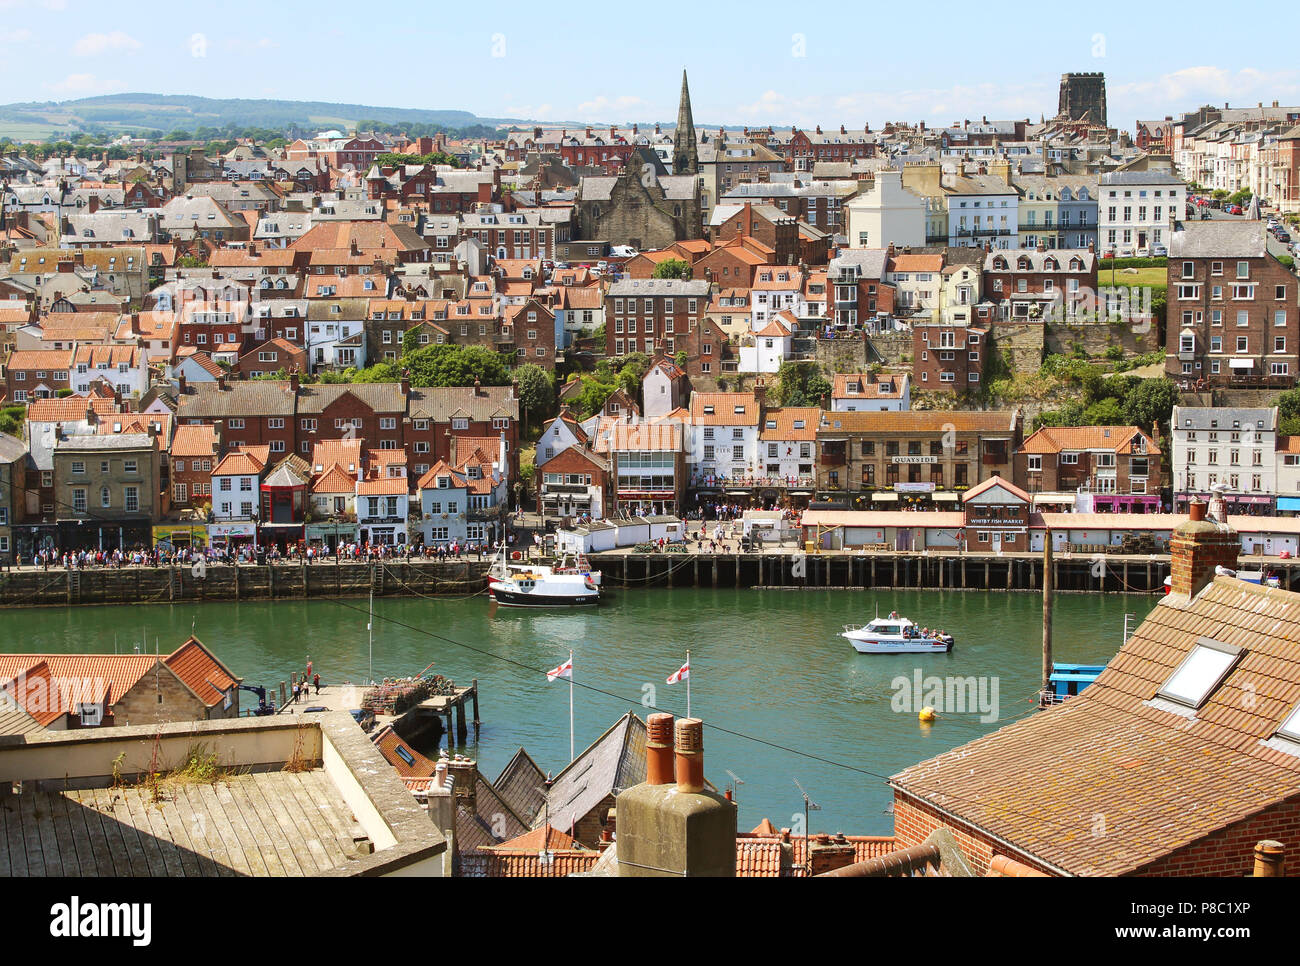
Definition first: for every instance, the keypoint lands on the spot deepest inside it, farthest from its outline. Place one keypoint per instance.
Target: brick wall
(1195, 549)
(914, 820)
(1231, 850)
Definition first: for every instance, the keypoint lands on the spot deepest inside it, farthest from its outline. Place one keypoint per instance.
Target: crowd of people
(164, 556)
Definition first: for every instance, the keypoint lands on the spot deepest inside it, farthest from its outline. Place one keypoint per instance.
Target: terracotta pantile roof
(1285, 444)
(102, 678)
(1162, 779)
(916, 263)
(239, 463)
(542, 837)
(33, 360)
(525, 864)
(791, 423)
(68, 409)
(207, 364)
(201, 672)
(408, 762)
(1116, 439)
(194, 441)
(335, 480)
(387, 486)
(615, 436)
(720, 409)
(867, 386)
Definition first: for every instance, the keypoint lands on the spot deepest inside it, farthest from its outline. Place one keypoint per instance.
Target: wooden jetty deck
(445, 714)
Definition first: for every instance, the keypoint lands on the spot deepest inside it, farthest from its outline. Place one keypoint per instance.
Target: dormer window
(1203, 670)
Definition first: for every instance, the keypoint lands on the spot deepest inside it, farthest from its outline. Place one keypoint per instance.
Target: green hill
(116, 113)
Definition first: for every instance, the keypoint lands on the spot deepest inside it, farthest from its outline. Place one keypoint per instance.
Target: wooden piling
(1049, 581)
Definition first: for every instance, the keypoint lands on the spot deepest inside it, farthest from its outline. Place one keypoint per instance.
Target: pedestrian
(295, 692)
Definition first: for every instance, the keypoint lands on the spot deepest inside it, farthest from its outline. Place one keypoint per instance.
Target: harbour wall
(1112, 573)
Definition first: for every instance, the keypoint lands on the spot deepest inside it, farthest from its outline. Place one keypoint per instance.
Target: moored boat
(895, 635)
(525, 585)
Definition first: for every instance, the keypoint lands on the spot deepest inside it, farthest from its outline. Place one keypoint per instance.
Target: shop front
(330, 535)
(96, 535)
(180, 536)
(232, 537)
(1239, 504)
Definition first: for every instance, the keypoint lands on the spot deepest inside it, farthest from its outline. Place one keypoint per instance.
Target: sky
(756, 63)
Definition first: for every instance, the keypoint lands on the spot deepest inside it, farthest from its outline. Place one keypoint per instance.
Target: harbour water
(795, 700)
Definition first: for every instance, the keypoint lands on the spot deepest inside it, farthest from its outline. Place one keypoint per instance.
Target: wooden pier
(851, 570)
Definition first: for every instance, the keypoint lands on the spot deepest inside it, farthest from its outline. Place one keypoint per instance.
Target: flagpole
(688, 685)
(570, 705)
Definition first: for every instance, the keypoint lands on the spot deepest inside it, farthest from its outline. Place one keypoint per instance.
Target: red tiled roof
(201, 672)
(388, 742)
(194, 441)
(994, 481)
(386, 486)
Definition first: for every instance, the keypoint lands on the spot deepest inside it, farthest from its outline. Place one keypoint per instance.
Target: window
(1200, 672)
(79, 500)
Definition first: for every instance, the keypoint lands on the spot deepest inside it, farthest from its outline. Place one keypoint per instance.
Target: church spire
(685, 157)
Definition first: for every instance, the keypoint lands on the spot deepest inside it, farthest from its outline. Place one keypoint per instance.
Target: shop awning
(944, 497)
(885, 498)
(1289, 503)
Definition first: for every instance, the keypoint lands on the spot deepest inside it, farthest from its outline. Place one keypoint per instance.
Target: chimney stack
(675, 828)
(1270, 859)
(293, 381)
(1196, 548)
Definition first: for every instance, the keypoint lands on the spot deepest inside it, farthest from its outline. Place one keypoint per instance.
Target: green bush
(1109, 263)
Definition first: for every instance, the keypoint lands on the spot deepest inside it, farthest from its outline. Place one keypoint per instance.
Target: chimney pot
(690, 755)
(1270, 859)
(659, 749)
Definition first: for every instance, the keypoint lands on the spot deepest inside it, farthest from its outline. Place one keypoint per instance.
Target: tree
(456, 365)
(536, 392)
(672, 268)
(801, 384)
(593, 395)
(1151, 402)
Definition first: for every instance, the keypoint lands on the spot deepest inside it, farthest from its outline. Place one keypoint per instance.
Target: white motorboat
(895, 635)
(534, 585)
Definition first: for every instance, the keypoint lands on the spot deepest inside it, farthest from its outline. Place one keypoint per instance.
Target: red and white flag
(565, 670)
(681, 674)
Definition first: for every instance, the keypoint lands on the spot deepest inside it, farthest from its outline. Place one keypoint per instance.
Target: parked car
(1159, 251)
(1235, 210)
(363, 717)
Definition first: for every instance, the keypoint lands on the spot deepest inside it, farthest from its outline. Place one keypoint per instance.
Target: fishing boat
(895, 635)
(576, 564)
(534, 585)
(1067, 680)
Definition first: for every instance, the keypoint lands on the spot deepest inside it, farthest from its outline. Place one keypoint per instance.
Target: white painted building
(1136, 211)
(886, 214)
(1230, 446)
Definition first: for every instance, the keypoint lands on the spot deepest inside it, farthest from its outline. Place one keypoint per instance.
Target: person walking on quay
(295, 692)
(316, 681)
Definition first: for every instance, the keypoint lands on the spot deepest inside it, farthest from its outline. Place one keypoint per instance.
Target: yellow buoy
(926, 714)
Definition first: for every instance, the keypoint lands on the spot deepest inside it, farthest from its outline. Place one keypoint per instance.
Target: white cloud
(82, 85)
(936, 106)
(609, 108)
(539, 112)
(1191, 87)
(92, 44)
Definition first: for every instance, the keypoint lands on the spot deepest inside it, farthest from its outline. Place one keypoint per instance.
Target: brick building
(914, 453)
(768, 224)
(1119, 466)
(997, 517)
(1232, 315)
(1029, 284)
(652, 315)
(1162, 725)
(194, 452)
(948, 357)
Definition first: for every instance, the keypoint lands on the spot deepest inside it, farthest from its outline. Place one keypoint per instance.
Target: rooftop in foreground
(296, 796)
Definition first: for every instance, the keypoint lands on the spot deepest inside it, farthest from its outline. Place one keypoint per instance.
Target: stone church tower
(686, 159)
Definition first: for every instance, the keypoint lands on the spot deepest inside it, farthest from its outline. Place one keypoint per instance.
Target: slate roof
(250, 398)
(522, 784)
(441, 403)
(1219, 239)
(614, 761)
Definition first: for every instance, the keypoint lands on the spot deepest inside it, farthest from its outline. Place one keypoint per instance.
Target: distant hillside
(169, 112)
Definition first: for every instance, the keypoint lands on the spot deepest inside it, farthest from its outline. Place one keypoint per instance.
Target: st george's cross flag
(565, 670)
(681, 674)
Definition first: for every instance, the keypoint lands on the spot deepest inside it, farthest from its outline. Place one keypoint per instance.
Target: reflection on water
(768, 664)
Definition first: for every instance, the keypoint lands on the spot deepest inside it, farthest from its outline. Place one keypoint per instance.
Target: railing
(752, 481)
